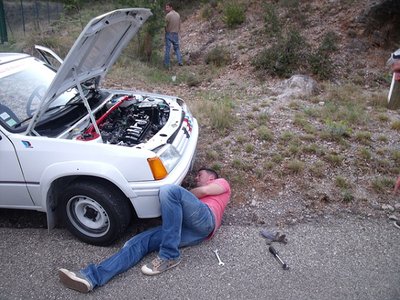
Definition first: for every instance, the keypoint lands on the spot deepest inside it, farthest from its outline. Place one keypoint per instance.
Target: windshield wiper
(47, 110)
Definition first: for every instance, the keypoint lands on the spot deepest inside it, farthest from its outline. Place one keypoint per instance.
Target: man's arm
(396, 66)
(208, 190)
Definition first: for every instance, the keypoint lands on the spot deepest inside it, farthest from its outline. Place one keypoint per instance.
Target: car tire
(94, 212)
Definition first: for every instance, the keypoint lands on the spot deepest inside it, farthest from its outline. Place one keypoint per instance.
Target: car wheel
(96, 213)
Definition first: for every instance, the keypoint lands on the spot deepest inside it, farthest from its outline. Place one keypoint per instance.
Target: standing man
(188, 218)
(172, 28)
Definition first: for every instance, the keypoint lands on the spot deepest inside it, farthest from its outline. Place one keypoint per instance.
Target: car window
(23, 84)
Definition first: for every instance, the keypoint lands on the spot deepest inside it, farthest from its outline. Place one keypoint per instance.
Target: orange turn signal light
(157, 168)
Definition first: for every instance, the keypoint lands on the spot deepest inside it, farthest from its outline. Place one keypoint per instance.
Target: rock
(387, 207)
(397, 206)
(375, 205)
(297, 86)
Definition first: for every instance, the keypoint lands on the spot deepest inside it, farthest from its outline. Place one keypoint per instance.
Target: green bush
(218, 56)
(272, 24)
(329, 42)
(291, 53)
(320, 61)
(321, 65)
(285, 57)
(233, 15)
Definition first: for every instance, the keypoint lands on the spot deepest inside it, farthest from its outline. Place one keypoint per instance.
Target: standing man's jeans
(185, 221)
(172, 38)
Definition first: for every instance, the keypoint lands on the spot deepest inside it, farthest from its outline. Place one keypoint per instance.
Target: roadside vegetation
(342, 136)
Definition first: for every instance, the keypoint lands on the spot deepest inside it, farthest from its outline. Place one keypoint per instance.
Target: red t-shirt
(217, 203)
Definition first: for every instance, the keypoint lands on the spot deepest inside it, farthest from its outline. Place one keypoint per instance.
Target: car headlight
(165, 161)
(169, 156)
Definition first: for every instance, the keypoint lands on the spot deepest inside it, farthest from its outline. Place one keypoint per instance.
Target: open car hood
(94, 52)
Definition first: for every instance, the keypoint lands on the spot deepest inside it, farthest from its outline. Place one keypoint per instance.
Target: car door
(13, 189)
(49, 57)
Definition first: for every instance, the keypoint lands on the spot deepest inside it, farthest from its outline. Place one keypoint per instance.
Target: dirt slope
(265, 191)
(276, 197)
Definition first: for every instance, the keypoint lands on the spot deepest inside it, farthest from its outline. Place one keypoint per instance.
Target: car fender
(83, 168)
(78, 168)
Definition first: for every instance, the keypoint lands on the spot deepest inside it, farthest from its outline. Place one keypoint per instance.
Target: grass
(241, 139)
(341, 182)
(213, 109)
(242, 165)
(382, 184)
(311, 149)
(395, 156)
(317, 169)
(294, 148)
(277, 158)
(334, 159)
(249, 148)
(264, 133)
(347, 195)
(212, 154)
(383, 118)
(263, 117)
(287, 136)
(363, 137)
(335, 130)
(364, 153)
(395, 125)
(295, 166)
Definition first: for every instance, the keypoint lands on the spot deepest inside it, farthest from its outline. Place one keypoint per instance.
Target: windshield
(23, 84)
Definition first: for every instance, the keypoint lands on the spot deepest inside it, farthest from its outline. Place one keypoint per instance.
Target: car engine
(129, 121)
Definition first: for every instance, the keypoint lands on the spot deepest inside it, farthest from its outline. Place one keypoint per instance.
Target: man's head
(168, 7)
(205, 175)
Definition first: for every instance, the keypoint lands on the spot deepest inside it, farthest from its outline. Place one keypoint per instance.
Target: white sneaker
(159, 265)
(75, 281)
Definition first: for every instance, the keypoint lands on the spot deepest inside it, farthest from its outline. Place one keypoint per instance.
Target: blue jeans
(172, 38)
(185, 221)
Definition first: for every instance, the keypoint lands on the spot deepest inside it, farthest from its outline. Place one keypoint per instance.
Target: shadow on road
(18, 218)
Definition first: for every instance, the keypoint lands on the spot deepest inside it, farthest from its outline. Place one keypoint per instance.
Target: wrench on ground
(219, 259)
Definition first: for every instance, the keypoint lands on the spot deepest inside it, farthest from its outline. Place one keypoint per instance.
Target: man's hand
(207, 190)
(397, 185)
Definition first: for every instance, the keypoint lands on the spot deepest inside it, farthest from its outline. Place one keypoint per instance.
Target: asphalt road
(347, 258)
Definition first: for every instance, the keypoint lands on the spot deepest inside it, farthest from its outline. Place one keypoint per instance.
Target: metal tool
(276, 255)
(271, 236)
(219, 259)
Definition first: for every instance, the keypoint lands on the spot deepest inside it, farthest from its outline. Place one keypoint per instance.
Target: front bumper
(146, 200)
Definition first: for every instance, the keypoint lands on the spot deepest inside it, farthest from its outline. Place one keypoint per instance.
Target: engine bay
(129, 120)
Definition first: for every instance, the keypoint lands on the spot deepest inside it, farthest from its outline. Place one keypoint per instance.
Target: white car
(90, 158)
